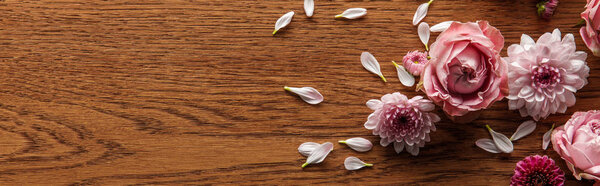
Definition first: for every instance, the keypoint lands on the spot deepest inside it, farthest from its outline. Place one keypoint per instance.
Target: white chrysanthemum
(544, 75)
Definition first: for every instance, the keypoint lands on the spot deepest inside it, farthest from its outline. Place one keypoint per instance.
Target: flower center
(538, 178)
(405, 121)
(545, 77)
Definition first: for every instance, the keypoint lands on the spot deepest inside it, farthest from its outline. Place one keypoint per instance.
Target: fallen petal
(308, 94)
(319, 154)
(421, 12)
(487, 145)
(404, 76)
(309, 7)
(440, 27)
(502, 142)
(353, 163)
(358, 144)
(524, 129)
(371, 64)
(546, 138)
(424, 34)
(283, 21)
(306, 148)
(353, 13)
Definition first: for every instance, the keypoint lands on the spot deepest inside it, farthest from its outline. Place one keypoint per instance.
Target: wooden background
(190, 92)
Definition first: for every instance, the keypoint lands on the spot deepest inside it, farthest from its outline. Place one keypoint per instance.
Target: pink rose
(578, 143)
(466, 72)
(589, 33)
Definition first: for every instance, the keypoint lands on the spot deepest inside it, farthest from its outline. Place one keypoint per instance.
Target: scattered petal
(306, 148)
(546, 138)
(309, 7)
(283, 21)
(424, 34)
(405, 78)
(308, 94)
(353, 13)
(524, 129)
(358, 144)
(319, 154)
(440, 27)
(421, 12)
(487, 145)
(371, 64)
(353, 163)
(502, 142)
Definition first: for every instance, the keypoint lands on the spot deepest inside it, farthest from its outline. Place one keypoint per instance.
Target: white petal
(374, 104)
(371, 64)
(309, 7)
(502, 142)
(424, 34)
(283, 21)
(420, 13)
(353, 163)
(405, 78)
(546, 138)
(319, 154)
(556, 35)
(353, 13)
(440, 27)
(524, 129)
(358, 144)
(527, 42)
(487, 145)
(308, 94)
(308, 147)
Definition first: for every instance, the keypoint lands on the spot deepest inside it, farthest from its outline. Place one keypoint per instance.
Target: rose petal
(358, 144)
(308, 94)
(371, 64)
(424, 34)
(524, 129)
(283, 21)
(319, 154)
(353, 13)
(353, 163)
(309, 7)
(308, 147)
(502, 142)
(487, 145)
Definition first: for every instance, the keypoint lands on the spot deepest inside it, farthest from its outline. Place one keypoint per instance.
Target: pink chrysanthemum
(544, 75)
(402, 121)
(415, 61)
(537, 170)
(546, 8)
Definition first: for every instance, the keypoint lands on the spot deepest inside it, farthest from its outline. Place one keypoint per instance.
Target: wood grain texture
(190, 92)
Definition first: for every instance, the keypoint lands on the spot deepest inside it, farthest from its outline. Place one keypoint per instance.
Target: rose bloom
(589, 32)
(465, 72)
(578, 143)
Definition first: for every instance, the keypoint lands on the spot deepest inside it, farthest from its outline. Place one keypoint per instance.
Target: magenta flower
(537, 170)
(414, 62)
(546, 8)
(402, 121)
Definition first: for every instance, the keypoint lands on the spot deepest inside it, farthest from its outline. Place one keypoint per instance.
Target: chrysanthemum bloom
(546, 8)
(545, 75)
(537, 170)
(402, 121)
(415, 61)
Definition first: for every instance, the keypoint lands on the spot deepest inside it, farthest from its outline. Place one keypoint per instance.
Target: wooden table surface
(190, 92)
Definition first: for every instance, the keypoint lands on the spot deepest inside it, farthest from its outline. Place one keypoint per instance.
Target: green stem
(384, 80)
(395, 64)
(342, 142)
(275, 31)
(488, 127)
(368, 165)
(304, 165)
(286, 88)
(430, 1)
(338, 16)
